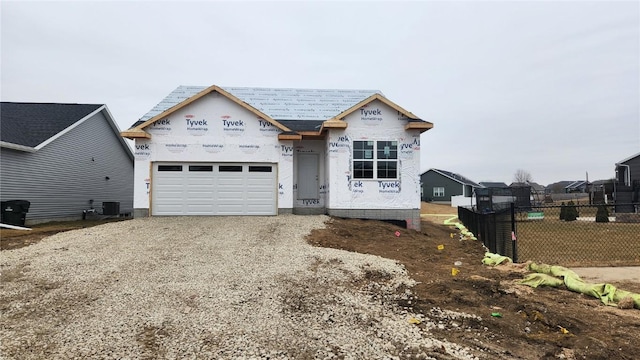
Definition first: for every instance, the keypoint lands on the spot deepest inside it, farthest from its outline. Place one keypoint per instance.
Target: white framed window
(438, 192)
(375, 159)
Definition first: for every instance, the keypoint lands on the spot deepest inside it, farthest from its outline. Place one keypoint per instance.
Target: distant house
(535, 187)
(558, 187)
(63, 159)
(536, 191)
(441, 185)
(627, 182)
(602, 191)
(493, 185)
(580, 186)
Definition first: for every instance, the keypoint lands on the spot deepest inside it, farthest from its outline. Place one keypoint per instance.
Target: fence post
(514, 246)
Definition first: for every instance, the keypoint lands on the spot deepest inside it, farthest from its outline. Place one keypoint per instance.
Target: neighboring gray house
(441, 185)
(63, 159)
(627, 183)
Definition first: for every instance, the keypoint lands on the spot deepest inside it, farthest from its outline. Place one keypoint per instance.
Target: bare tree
(522, 176)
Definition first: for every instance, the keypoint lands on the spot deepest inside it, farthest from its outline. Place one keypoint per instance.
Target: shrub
(602, 216)
(571, 212)
(563, 211)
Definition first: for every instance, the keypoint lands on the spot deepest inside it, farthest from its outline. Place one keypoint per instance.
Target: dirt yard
(530, 322)
(15, 239)
(516, 321)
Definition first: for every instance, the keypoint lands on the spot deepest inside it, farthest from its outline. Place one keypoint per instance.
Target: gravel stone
(208, 287)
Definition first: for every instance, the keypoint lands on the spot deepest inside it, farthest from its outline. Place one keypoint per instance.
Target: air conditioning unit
(111, 208)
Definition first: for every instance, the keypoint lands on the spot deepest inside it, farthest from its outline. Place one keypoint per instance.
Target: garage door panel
(214, 189)
(200, 209)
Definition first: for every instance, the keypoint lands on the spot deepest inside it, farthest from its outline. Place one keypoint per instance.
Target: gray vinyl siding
(431, 179)
(61, 178)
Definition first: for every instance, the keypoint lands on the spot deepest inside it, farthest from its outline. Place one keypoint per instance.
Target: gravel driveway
(206, 287)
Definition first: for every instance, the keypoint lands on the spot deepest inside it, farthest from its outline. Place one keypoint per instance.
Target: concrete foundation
(140, 213)
(411, 216)
(309, 211)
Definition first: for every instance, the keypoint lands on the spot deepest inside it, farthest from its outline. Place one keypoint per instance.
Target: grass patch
(579, 243)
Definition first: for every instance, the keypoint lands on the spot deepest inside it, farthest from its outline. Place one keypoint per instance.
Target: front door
(307, 176)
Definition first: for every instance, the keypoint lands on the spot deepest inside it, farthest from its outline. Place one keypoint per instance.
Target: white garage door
(213, 189)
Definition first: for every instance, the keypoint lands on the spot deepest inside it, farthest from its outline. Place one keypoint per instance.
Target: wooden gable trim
(136, 131)
(422, 126)
(371, 98)
(289, 137)
(412, 125)
(333, 124)
(135, 134)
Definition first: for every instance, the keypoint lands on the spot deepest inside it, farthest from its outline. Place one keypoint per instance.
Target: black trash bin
(14, 212)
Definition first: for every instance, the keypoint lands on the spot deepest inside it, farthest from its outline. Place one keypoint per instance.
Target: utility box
(111, 208)
(14, 212)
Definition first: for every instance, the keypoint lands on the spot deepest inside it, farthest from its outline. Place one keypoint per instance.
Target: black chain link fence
(566, 235)
(569, 235)
(493, 228)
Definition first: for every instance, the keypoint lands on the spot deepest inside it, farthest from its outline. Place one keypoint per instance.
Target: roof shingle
(31, 124)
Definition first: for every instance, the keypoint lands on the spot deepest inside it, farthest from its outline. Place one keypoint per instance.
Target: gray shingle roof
(492, 184)
(30, 124)
(277, 103)
(629, 158)
(459, 178)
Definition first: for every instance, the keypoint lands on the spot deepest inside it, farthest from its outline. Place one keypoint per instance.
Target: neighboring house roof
(456, 177)
(490, 184)
(576, 184)
(534, 185)
(629, 158)
(601, 182)
(559, 184)
(288, 109)
(31, 126)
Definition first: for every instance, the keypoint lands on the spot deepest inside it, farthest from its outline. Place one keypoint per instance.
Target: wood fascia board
(310, 133)
(371, 98)
(205, 92)
(333, 124)
(422, 126)
(289, 137)
(135, 134)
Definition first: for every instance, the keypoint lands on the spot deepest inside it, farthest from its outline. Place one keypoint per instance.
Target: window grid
(375, 159)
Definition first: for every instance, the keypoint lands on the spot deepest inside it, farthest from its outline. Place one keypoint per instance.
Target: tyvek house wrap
(213, 129)
(374, 122)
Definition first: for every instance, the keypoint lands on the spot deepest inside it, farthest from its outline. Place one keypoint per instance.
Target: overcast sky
(551, 87)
